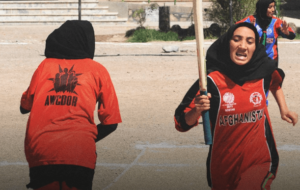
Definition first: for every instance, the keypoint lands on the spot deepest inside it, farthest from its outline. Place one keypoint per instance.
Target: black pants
(74, 176)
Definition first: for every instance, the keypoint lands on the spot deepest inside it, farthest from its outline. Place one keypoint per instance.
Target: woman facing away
(269, 27)
(243, 155)
(61, 133)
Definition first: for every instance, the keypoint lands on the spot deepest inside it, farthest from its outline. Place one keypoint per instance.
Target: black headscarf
(72, 40)
(261, 16)
(218, 59)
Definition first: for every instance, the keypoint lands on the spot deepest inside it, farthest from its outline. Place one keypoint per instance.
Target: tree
(140, 16)
(278, 10)
(219, 12)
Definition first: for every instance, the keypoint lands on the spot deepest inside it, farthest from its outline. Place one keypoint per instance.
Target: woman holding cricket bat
(243, 155)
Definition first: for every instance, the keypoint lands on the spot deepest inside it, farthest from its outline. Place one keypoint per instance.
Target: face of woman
(271, 10)
(242, 45)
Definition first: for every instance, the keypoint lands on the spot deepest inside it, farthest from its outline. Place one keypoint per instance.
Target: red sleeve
(291, 30)
(28, 95)
(276, 81)
(108, 110)
(191, 106)
(247, 19)
(180, 123)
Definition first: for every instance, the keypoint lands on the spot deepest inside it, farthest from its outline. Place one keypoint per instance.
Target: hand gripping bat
(198, 22)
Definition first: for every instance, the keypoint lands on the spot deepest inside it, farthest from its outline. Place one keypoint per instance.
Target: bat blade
(198, 22)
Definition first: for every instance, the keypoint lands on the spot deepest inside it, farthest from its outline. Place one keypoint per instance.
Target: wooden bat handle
(198, 20)
(206, 124)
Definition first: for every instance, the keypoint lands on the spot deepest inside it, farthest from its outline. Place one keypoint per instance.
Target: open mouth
(241, 55)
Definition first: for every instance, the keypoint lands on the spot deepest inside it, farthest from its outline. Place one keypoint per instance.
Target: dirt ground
(145, 152)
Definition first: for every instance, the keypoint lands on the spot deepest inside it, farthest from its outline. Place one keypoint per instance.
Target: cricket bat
(198, 23)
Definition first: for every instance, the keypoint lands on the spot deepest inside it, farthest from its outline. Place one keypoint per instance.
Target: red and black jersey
(61, 98)
(241, 128)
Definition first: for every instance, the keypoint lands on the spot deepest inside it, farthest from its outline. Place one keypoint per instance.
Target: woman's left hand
(290, 117)
(285, 28)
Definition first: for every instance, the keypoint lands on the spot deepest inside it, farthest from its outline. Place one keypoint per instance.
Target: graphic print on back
(65, 80)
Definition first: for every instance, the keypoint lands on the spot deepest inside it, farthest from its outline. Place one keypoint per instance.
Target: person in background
(60, 138)
(269, 27)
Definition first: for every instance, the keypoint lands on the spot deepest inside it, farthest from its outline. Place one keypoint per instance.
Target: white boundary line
(298, 42)
(13, 43)
(128, 167)
(166, 145)
(5, 163)
(110, 165)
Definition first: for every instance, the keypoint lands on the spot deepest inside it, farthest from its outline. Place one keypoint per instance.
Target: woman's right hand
(202, 103)
(285, 28)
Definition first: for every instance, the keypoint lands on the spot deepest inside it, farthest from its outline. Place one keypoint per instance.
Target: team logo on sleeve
(228, 98)
(269, 31)
(256, 98)
(64, 81)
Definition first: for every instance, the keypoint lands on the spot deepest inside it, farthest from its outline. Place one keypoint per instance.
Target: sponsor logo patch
(228, 98)
(270, 40)
(256, 98)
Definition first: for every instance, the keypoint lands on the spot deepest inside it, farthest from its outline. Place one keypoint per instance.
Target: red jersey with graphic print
(243, 152)
(61, 98)
(273, 32)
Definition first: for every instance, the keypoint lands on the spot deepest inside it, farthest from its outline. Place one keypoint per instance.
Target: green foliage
(154, 6)
(210, 37)
(279, 13)
(189, 38)
(297, 36)
(219, 12)
(140, 16)
(147, 35)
